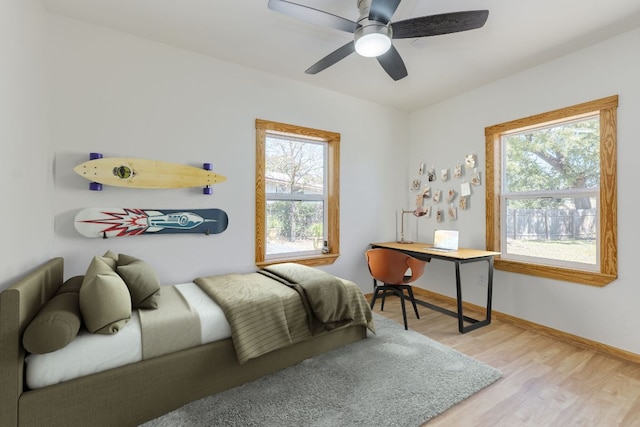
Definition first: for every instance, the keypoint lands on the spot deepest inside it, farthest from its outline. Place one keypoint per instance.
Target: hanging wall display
(426, 192)
(454, 197)
(475, 178)
(457, 171)
(453, 213)
(465, 189)
(415, 184)
(431, 174)
(463, 203)
(470, 161)
(451, 195)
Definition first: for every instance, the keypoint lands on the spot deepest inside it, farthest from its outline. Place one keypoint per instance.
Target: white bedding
(91, 353)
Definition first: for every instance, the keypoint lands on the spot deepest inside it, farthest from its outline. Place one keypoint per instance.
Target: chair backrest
(390, 267)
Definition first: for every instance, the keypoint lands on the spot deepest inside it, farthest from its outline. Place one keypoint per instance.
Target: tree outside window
(551, 193)
(294, 180)
(296, 194)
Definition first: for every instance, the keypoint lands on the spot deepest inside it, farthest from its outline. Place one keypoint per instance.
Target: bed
(136, 392)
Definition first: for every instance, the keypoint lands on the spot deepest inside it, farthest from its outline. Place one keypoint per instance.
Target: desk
(425, 252)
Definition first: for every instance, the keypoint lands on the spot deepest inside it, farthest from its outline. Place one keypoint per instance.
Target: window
(551, 193)
(297, 194)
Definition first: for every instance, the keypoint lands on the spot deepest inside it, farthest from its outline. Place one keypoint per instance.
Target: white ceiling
(518, 34)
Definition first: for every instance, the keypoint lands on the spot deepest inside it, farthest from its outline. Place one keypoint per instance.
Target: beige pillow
(142, 281)
(105, 302)
(55, 325)
(111, 254)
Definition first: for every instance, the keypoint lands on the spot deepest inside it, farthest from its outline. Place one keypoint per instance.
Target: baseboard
(525, 324)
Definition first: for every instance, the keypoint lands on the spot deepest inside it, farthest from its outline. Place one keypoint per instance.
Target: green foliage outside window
(564, 157)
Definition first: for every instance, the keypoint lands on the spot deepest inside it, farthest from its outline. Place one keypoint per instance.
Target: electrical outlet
(482, 280)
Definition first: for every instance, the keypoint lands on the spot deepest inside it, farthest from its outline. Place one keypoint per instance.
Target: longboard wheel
(95, 186)
(207, 166)
(94, 156)
(207, 190)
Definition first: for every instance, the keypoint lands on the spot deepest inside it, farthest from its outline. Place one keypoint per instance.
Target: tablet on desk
(445, 241)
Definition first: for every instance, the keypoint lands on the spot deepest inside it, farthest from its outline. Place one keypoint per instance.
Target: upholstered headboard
(18, 306)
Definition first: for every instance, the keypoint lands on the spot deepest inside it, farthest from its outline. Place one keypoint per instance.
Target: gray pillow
(111, 254)
(71, 285)
(105, 302)
(55, 325)
(142, 281)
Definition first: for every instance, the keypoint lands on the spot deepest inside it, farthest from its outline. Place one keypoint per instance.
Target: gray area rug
(393, 378)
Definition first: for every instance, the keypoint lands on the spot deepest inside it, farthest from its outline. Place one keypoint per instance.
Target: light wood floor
(546, 382)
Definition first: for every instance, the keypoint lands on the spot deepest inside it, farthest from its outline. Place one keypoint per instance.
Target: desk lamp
(418, 212)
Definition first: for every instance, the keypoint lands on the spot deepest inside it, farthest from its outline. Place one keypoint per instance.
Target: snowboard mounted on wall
(117, 222)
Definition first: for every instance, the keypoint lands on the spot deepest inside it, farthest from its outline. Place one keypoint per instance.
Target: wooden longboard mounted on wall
(143, 173)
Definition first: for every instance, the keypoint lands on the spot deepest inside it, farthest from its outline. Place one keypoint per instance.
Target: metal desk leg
(476, 323)
(489, 289)
(459, 298)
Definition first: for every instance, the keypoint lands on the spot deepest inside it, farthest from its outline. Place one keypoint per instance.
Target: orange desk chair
(390, 267)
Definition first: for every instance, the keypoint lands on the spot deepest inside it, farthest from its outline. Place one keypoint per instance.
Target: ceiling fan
(373, 32)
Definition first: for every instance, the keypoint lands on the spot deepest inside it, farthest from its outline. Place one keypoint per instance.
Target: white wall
(126, 96)
(444, 133)
(26, 184)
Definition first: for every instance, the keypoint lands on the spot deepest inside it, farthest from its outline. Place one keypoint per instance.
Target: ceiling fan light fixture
(373, 40)
(373, 32)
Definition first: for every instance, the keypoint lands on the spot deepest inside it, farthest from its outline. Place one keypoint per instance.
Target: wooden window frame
(607, 214)
(332, 139)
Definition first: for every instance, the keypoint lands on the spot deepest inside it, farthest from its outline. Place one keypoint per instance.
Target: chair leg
(379, 291)
(404, 310)
(400, 293)
(375, 296)
(413, 301)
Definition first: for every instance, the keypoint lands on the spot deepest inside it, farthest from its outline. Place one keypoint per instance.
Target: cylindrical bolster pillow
(55, 325)
(71, 285)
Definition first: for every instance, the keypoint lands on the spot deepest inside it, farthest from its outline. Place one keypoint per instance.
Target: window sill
(312, 261)
(566, 274)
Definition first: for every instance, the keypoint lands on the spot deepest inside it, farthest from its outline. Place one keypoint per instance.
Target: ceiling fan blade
(383, 10)
(332, 58)
(312, 15)
(393, 64)
(444, 23)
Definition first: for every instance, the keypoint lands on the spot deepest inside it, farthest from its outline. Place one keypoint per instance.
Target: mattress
(92, 353)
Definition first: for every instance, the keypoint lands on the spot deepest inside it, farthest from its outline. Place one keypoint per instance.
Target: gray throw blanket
(324, 296)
